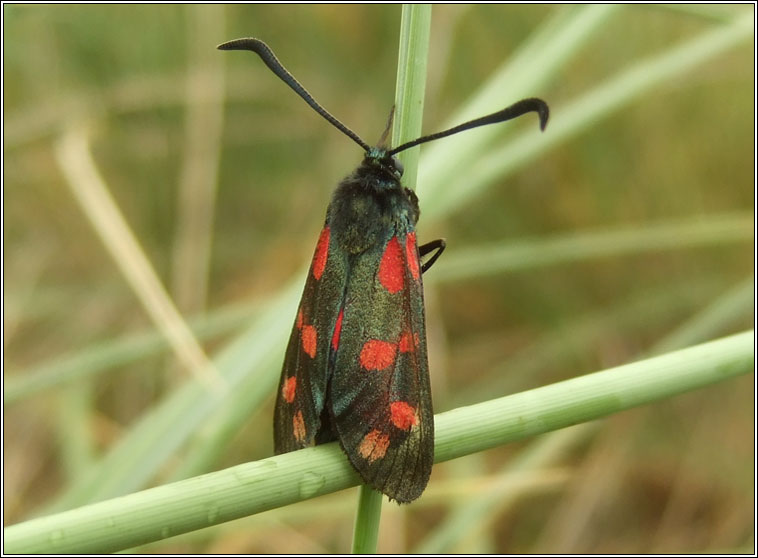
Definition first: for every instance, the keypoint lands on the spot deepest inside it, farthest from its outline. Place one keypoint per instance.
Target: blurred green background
(224, 177)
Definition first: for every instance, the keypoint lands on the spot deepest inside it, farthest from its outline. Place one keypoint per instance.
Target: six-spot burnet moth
(356, 369)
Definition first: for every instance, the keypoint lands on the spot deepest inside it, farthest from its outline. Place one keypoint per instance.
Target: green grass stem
(415, 23)
(243, 490)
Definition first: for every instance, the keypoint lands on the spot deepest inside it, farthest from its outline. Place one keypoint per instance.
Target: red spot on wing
(408, 342)
(403, 415)
(392, 268)
(308, 337)
(377, 355)
(411, 254)
(298, 426)
(374, 445)
(337, 330)
(322, 252)
(288, 389)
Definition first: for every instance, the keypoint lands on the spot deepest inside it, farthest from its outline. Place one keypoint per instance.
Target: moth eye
(398, 165)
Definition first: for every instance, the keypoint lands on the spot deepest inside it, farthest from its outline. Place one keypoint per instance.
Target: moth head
(380, 158)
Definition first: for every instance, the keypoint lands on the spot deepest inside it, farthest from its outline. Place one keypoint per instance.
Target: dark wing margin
(302, 387)
(380, 399)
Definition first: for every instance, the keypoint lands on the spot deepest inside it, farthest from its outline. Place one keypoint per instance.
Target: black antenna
(261, 49)
(514, 111)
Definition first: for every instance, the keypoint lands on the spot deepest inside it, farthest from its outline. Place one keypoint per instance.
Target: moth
(355, 369)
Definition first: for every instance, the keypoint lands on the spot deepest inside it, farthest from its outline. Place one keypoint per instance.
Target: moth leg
(438, 245)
